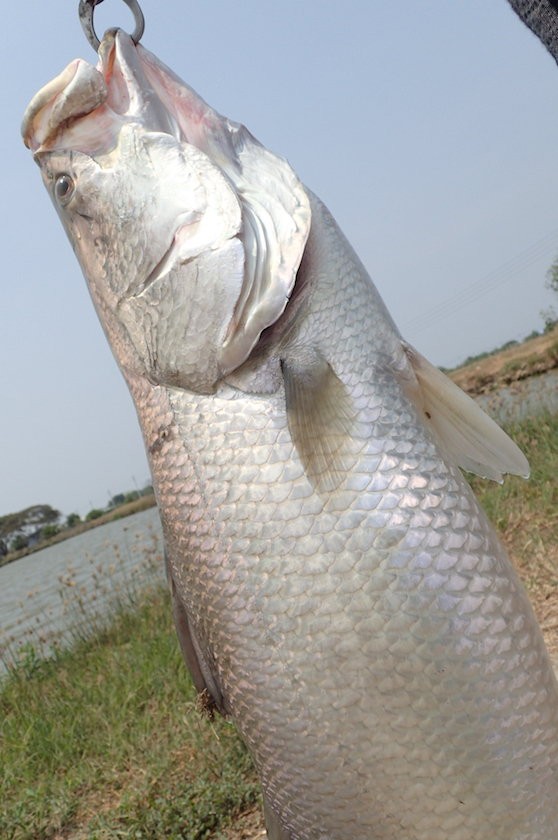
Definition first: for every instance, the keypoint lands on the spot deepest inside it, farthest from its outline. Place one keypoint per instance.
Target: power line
(502, 275)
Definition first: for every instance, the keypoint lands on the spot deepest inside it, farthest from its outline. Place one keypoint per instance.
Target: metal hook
(86, 12)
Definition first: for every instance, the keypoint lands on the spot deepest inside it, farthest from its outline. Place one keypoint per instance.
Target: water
(49, 597)
(523, 399)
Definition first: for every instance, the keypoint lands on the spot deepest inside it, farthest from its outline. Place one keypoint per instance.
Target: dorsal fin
(467, 434)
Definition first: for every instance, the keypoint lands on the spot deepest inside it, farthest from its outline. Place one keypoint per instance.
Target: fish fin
(468, 435)
(204, 680)
(320, 415)
(275, 831)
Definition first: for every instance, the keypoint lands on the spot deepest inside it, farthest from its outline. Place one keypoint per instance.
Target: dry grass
(249, 825)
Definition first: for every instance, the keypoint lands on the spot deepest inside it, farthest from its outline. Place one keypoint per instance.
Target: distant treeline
(470, 359)
(38, 523)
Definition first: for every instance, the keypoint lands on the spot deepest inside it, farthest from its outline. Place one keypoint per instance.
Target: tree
(552, 277)
(549, 315)
(26, 522)
(116, 500)
(18, 543)
(49, 531)
(72, 519)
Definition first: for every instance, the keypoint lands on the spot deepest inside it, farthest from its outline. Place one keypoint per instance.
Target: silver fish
(336, 588)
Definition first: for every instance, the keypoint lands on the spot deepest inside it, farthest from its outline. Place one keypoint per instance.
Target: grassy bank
(526, 515)
(106, 742)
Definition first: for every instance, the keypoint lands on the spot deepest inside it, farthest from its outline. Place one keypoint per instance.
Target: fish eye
(64, 189)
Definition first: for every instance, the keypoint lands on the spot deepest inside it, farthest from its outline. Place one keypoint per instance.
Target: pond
(50, 597)
(523, 399)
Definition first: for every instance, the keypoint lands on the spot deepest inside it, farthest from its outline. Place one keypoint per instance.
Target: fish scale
(432, 626)
(337, 590)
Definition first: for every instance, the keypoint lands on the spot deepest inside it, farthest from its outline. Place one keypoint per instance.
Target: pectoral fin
(468, 435)
(320, 417)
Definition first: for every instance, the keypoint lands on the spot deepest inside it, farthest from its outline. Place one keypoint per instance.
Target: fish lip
(73, 94)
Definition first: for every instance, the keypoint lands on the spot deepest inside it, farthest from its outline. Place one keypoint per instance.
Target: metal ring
(86, 12)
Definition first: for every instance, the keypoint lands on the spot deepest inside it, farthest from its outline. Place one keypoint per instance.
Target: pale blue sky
(429, 128)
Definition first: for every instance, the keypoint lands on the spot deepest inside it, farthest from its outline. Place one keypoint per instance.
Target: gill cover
(275, 207)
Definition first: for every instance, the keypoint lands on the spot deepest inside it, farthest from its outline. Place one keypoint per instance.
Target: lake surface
(49, 597)
(523, 399)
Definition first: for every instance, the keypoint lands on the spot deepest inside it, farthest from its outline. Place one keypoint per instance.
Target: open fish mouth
(84, 107)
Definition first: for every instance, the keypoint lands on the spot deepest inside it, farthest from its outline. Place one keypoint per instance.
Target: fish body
(336, 588)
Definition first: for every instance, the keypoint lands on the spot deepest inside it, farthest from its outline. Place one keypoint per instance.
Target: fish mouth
(84, 107)
(130, 92)
(71, 96)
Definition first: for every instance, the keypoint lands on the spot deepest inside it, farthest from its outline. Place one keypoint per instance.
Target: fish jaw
(84, 107)
(74, 93)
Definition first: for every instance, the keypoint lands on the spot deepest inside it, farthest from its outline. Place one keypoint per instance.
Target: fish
(337, 591)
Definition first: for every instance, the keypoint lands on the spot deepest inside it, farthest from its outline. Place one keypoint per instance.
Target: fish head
(152, 223)
(188, 231)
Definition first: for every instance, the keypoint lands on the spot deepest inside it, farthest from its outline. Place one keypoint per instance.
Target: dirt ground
(247, 826)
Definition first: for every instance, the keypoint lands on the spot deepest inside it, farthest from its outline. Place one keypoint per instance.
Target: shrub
(49, 531)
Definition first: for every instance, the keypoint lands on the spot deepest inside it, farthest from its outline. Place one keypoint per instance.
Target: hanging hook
(86, 13)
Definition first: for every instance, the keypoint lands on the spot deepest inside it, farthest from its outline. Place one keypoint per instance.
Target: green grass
(105, 740)
(525, 514)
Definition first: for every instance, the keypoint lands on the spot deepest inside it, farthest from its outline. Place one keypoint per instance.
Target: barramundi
(337, 590)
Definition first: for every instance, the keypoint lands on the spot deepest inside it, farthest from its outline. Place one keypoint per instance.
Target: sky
(429, 129)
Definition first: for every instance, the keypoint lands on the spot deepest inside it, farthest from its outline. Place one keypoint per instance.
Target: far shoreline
(120, 512)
